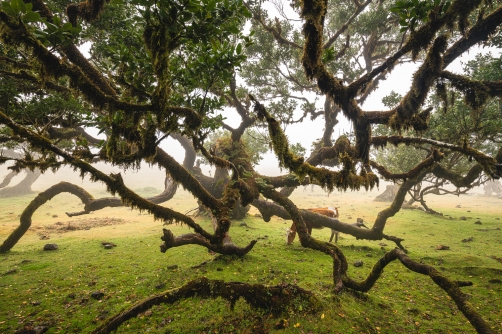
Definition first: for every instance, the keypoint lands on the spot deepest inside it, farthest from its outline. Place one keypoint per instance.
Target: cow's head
(290, 236)
(335, 210)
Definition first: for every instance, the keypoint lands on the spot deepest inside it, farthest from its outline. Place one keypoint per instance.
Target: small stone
(463, 218)
(468, 239)
(71, 295)
(257, 215)
(49, 247)
(243, 224)
(369, 255)
(468, 210)
(108, 245)
(442, 247)
(358, 263)
(160, 286)
(458, 206)
(478, 222)
(54, 216)
(172, 267)
(97, 295)
(35, 303)
(382, 244)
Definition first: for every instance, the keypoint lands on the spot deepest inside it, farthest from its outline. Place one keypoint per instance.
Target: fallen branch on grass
(275, 299)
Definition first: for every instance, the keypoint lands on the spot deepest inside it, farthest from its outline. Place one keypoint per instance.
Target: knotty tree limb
(452, 288)
(275, 299)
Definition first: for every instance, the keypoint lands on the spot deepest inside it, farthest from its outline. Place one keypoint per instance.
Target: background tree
(168, 68)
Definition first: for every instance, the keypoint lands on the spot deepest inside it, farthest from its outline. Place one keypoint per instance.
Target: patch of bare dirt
(84, 224)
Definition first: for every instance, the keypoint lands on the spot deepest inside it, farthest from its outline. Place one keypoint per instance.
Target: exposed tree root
(272, 298)
(452, 288)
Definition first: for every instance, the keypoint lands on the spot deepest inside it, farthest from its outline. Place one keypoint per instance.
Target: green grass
(54, 288)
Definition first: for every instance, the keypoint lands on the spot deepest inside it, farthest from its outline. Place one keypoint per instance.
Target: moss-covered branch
(452, 288)
(41, 199)
(343, 180)
(490, 165)
(274, 299)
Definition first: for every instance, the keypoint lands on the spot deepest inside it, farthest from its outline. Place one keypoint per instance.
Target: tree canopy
(159, 69)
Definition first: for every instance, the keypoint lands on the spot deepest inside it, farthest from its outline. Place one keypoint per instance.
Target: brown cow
(328, 212)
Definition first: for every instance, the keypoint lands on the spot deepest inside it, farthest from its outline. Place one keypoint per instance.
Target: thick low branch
(91, 205)
(269, 209)
(275, 299)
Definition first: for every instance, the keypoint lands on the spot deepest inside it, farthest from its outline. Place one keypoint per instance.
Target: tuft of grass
(55, 288)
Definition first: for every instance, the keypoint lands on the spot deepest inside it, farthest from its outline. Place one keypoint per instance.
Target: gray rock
(463, 218)
(49, 247)
(97, 295)
(358, 263)
(478, 222)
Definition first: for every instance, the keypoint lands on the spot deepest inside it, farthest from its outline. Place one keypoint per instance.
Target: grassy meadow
(56, 288)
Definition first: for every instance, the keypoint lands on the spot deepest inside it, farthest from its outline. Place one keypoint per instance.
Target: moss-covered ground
(54, 288)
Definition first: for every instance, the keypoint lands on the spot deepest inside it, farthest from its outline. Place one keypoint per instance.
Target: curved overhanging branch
(490, 165)
(434, 157)
(41, 199)
(274, 299)
(452, 288)
(457, 180)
